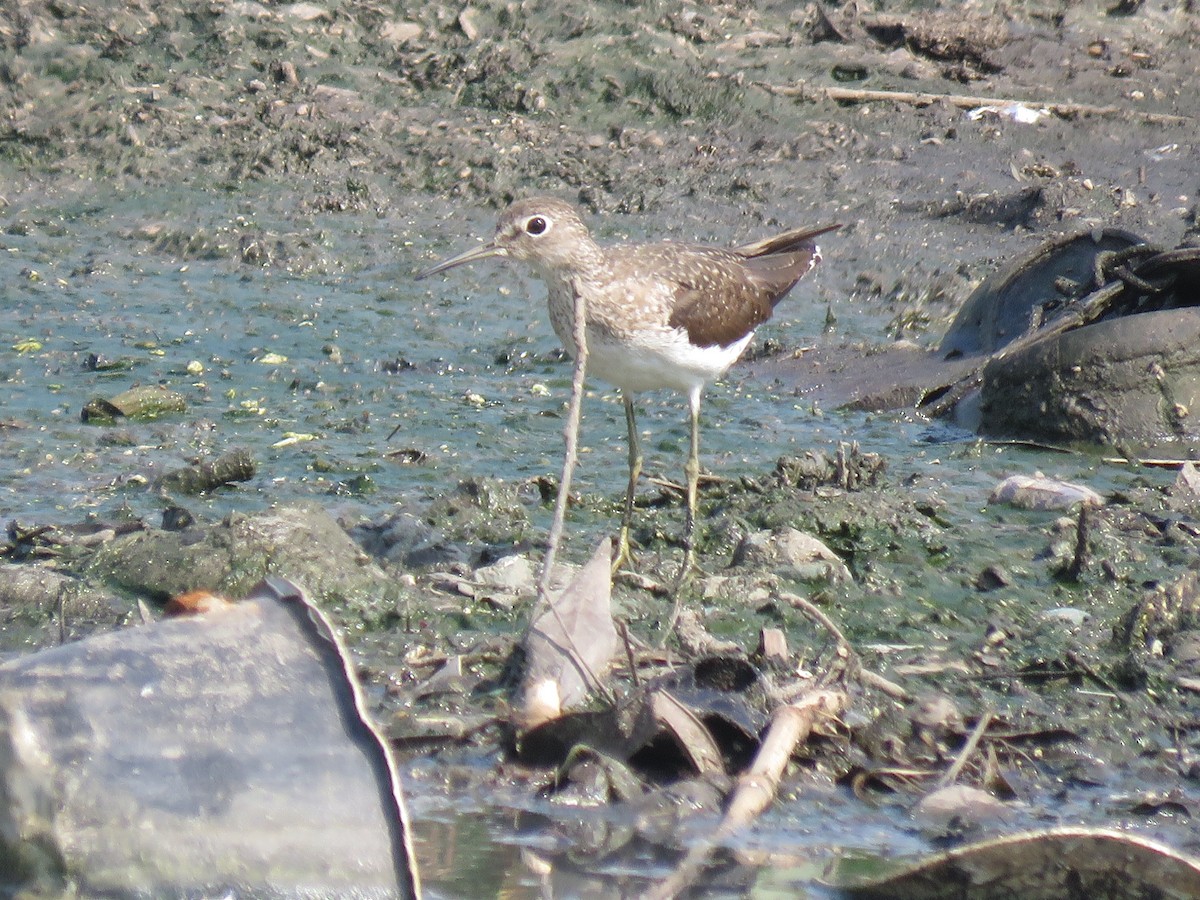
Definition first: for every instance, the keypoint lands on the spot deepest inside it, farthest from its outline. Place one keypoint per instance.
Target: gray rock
(1039, 492)
(406, 540)
(792, 554)
(511, 574)
(302, 542)
(1070, 615)
(211, 755)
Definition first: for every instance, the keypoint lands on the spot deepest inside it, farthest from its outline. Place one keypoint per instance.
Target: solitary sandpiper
(661, 315)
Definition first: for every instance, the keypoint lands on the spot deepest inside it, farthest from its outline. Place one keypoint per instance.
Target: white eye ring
(537, 225)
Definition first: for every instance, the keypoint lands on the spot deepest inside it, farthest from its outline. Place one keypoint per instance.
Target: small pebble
(1068, 614)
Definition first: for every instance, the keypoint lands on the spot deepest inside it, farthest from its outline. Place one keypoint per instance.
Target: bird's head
(542, 231)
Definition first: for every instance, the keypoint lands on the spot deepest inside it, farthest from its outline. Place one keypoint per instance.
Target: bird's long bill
(483, 251)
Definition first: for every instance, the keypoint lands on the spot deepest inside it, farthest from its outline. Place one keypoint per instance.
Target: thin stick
(813, 612)
(571, 438)
(1080, 560)
(960, 761)
(864, 676)
(867, 678)
(570, 455)
(963, 101)
(845, 650)
(1157, 463)
(62, 613)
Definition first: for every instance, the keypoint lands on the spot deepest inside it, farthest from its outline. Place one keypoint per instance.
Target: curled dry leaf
(569, 645)
(689, 732)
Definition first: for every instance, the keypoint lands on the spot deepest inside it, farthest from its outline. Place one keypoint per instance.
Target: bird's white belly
(664, 359)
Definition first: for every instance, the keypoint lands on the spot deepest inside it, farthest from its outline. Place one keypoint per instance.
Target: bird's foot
(624, 551)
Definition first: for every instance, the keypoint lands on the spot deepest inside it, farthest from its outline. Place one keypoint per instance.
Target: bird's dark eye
(535, 225)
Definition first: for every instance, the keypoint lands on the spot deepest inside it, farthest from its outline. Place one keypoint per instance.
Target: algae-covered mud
(216, 367)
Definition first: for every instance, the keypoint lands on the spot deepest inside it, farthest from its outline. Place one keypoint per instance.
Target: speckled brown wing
(743, 285)
(723, 307)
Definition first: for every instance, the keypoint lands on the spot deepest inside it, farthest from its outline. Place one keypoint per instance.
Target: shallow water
(310, 361)
(313, 358)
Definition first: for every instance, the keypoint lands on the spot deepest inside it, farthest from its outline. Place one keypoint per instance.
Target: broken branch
(962, 101)
(757, 787)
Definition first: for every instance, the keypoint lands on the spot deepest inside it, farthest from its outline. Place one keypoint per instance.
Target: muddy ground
(710, 121)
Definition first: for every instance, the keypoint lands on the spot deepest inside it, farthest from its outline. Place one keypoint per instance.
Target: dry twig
(963, 101)
(756, 788)
(847, 652)
(571, 438)
(951, 774)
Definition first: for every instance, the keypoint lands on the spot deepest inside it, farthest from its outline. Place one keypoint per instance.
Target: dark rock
(991, 578)
(302, 542)
(1133, 380)
(1005, 306)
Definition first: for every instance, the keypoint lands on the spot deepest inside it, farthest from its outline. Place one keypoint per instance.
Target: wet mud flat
(1068, 635)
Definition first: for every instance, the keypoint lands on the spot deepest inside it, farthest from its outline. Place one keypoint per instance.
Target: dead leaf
(689, 732)
(569, 645)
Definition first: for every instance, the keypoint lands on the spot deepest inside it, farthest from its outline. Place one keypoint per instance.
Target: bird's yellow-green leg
(624, 553)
